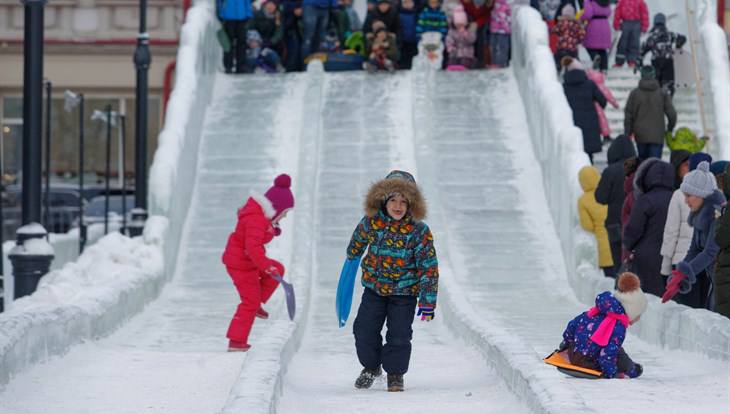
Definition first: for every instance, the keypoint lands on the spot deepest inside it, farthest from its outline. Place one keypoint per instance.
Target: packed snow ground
(465, 136)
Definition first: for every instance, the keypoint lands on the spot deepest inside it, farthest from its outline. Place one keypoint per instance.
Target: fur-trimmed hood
(381, 190)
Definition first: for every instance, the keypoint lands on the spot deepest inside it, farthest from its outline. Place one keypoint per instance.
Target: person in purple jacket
(598, 31)
(594, 338)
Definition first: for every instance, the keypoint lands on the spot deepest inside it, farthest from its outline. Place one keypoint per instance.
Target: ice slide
(504, 298)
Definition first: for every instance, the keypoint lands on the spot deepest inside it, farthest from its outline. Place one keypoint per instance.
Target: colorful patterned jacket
(570, 33)
(401, 259)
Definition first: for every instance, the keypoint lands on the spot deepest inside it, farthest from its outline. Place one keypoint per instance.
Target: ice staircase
(621, 81)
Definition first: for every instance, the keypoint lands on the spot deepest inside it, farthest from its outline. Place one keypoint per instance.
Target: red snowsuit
(247, 264)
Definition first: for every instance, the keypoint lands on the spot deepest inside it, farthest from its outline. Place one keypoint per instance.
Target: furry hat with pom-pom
(629, 293)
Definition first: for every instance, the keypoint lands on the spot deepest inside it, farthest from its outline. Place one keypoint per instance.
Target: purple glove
(426, 313)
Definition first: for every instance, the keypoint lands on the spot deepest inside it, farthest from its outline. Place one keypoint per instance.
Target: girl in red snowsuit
(246, 261)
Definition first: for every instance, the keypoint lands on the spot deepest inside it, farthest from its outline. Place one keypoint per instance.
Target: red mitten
(275, 269)
(673, 285)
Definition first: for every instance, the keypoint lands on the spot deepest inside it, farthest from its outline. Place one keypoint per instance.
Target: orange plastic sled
(561, 361)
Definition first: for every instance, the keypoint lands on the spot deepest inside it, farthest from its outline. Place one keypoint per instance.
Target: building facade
(88, 48)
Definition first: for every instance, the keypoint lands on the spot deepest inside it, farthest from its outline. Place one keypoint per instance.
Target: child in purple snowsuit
(593, 339)
(598, 30)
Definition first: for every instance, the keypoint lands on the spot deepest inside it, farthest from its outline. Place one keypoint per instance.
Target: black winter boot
(367, 377)
(395, 382)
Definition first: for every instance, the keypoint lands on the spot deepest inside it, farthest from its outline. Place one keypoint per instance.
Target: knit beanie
(253, 36)
(700, 182)
(648, 72)
(660, 18)
(568, 11)
(280, 195)
(697, 158)
(398, 175)
(629, 293)
(460, 16)
(718, 167)
(677, 157)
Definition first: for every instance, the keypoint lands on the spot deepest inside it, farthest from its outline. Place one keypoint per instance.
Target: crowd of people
(284, 35)
(664, 221)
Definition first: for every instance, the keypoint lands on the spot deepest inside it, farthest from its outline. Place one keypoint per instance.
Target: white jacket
(677, 233)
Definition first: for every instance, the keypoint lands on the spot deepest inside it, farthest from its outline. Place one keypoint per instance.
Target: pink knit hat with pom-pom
(460, 16)
(280, 194)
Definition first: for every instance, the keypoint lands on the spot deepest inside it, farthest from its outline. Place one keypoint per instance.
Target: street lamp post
(31, 257)
(142, 60)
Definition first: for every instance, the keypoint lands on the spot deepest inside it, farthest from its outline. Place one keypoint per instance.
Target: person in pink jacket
(632, 18)
(500, 30)
(600, 80)
(246, 261)
(460, 40)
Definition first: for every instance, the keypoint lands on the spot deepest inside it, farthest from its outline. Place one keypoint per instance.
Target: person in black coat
(386, 13)
(653, 188)
(581, 93)
(610, 191)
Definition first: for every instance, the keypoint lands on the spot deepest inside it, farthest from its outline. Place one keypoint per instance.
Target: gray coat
(644, 113)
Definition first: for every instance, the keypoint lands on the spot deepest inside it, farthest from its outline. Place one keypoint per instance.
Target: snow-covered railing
(558, 147)
(712, 59)
(173, 169)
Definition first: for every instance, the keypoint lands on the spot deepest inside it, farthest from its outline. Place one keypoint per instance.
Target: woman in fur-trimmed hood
(399, 271)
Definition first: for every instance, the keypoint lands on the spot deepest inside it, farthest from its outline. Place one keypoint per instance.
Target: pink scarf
(605, 329)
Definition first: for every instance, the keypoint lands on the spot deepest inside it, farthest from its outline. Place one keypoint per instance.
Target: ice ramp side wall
(558, 147)
(173, 170)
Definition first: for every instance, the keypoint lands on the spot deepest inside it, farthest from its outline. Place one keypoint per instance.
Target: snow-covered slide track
(367, 130)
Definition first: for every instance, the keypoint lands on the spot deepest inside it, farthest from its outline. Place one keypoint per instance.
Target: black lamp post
(30, 265)
(142, 60)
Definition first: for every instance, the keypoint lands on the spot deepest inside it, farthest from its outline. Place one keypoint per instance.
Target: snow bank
(85, 299)
(558, 147)
(259, 385)
(172, 174)
(65, 250)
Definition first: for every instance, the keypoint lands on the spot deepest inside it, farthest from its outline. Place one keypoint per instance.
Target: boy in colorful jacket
(594, 338)
(432, 19)
(246, 261)
(632, 18)
(399, 271)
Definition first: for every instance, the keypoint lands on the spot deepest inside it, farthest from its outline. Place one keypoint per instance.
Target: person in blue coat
(594, 338)
(695, 274)
(581, 93)
(234, 16)
(407, 35)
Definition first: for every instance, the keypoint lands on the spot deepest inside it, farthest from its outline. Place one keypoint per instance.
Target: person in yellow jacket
(593, 215)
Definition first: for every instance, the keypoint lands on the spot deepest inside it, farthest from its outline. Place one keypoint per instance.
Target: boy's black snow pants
(397, 313)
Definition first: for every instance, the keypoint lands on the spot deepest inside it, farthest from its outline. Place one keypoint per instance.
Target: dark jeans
(500, 45)
(407, 52)
(268, 58)
(628, 44)
(315, 22)
(664, 69)
(236, 32)
(294, 60)
(649, 150)
(624, 362)
(397, 312)
(481, 45)
(603, 54)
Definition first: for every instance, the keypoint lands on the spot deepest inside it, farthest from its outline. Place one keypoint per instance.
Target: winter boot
(389, 66)
(369, 67)
(235, 346)
(261, 313)
(395, 382)
(367, 377)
